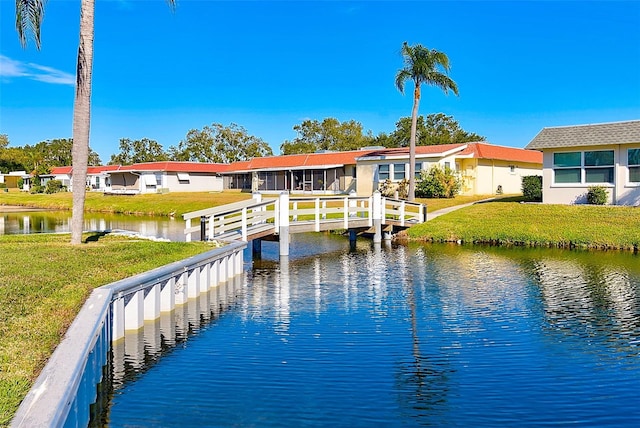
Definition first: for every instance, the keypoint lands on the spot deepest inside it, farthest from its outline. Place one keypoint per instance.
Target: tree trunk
(412, 145)
(82, 119)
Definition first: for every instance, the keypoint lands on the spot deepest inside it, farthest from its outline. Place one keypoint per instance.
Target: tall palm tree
(421, 65)
(29, 14)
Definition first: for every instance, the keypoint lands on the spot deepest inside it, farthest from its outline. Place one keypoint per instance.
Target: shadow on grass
(504, 199)
(95, 236)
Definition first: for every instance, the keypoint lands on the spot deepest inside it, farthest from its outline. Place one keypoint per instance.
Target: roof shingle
(587, 135)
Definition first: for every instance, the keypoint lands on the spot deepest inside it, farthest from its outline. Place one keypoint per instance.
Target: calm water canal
(431, 335)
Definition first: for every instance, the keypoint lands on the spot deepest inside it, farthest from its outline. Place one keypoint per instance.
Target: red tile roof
(489, 151)
(171, 166)
(299, 161)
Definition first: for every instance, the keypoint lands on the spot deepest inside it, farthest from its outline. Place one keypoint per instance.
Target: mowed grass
(513, 223)
(153, 204)
(44, 283)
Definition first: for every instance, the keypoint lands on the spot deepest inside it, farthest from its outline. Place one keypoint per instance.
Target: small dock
(274, 219)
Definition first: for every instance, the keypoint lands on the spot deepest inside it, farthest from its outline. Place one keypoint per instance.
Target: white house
(158, 177)
(97, 177)
(485, 169)
(577, 157)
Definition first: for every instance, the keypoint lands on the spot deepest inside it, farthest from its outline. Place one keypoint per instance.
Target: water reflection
(12, 223)
(397, 336)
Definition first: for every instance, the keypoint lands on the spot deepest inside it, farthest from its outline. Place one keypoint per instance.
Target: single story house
(12, 179)
(577, 157)
(312, 173)
(485, 169)
(158, 177)
(97, 177)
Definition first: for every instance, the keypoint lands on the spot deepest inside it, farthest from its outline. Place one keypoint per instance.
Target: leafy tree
(138, 151)
(329, 134)
(219, 144)
(436, 129)
(29, 15)
(421, 65)
(10, 157)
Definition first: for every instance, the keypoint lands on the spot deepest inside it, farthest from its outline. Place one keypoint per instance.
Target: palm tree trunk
(412, 145)
(82, 119)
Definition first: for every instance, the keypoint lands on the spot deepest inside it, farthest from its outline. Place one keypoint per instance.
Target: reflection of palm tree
(424, 381)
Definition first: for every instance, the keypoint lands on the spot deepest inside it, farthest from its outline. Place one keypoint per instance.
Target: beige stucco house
(485, 169)
(577, 157)
(157, 177)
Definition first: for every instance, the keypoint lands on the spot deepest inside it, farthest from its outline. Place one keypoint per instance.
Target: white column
(377, 217)
(193, 278)
(152, 303)
(168, 296)
(205, 283)
(181, 289)
(134, 311)
(118, 319)
(284, 223)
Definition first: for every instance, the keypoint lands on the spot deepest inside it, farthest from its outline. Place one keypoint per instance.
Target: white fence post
(283, 203)
(378, 211)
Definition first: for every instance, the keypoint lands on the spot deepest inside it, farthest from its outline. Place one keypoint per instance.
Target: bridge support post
(377, 217)
(256, 249)
(284, 223)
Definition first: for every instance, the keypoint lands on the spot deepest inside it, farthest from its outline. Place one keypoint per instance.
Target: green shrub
(438, 182)
(54, 186)
(36, 188)
(20, 183)
(3, 185)
(597, 195)
(532, 188)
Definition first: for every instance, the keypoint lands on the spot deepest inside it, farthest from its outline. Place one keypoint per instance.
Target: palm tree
(421, 65)
(29, 14)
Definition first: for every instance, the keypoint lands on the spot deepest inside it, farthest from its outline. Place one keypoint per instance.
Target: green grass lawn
(44, 283)
(516, 223)
(176, 203)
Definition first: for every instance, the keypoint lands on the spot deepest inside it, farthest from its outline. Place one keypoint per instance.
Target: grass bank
(148, 204)
(44, 283)
(513, 223)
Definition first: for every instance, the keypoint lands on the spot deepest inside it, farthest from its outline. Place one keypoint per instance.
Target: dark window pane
(383, 172)
(634, 174)
(599, 158)
(398, 171)
(567, 159)
(571, 175)
(599, 175)
(633, 157)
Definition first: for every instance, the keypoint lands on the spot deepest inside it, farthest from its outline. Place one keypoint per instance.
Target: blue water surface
(432, 335)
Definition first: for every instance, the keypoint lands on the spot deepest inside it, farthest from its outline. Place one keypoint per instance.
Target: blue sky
(267, 66)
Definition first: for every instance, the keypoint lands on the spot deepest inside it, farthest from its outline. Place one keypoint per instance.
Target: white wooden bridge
(275, 218)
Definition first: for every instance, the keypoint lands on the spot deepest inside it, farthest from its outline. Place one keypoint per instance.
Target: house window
(633, 162)
(383, 172)
(512, 169)
(183, 177)
(418, 170)
(566, 167)
(398, 171)
(598, 166)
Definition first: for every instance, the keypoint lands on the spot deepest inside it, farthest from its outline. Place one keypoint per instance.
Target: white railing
(66, 387)
(241, 219)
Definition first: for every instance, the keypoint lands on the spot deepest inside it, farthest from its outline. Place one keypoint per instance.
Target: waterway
(30, 221)
(418, 335)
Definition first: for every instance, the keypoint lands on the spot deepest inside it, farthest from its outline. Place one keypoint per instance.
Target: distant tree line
(39, 158)
(224, 144)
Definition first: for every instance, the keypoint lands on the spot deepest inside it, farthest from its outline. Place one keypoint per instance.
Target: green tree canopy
(438, 128)
(329, 134)
(41, 157)
(421, 65)
(138, 151)
(219, 144)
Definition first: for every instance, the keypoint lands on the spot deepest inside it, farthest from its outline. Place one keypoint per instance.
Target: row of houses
(570, 160)
(484, 168)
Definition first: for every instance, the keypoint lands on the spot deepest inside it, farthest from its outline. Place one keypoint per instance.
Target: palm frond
(29, 14)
